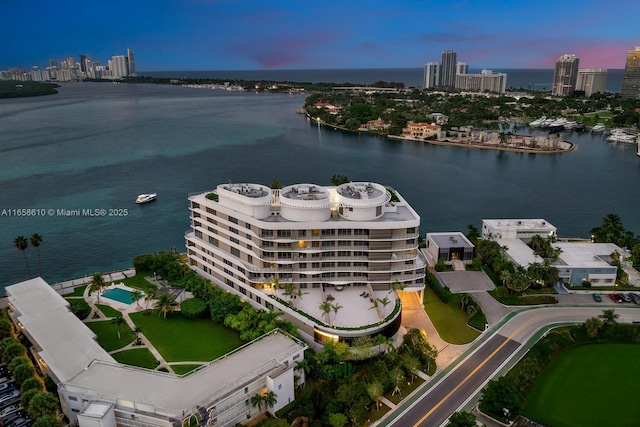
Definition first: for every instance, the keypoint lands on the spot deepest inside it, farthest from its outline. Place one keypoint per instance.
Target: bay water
(80, 158)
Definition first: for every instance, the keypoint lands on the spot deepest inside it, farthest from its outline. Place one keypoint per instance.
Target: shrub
(32, 383)
(441, 291)
(586, 283)
(143, 262)
(6, 328)
(22, 373)
(193, 307)
(80, 308)
(47, 421)
(43, 403)
(12, 351)
(20, 360)
(27, 396)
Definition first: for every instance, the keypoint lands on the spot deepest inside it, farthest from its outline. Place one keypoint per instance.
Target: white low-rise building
(96, 391)
(345, 248)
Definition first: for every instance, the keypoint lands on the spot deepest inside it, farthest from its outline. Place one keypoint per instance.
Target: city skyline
(250, 35)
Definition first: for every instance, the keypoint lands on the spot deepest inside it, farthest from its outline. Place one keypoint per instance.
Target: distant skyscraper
(448, 69)
(118, 66)
(83, 63)
(591, 80)
(631, 76)
(462, 68)
(564, 80)
(486, 81)
(431, 75)
(132, 67)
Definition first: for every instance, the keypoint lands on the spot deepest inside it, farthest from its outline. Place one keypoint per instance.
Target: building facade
(431, 75)
(486, 81)
(421, 129)
(344, 246)
(449, 247)
(566, 75)
(462, 68)
(448, 69)
(96, 391)
(591, 80)
(631, 77)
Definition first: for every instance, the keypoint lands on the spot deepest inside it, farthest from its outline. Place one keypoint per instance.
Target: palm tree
(385, 302)
(592, 325)
(35, 241)
(150, 294)
(608, 316)
(325, 307)
(335, 308)
(257, 400)
(165, 305)
(21, 243)
(136, 295)
(117, 322)
(270, 399)
(97, 283)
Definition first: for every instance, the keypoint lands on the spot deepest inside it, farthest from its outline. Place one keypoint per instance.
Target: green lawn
(449, 320)
(77, 292)
(137, 357)
(138, 281)
(108, 334)
(180, 339)
(405, 390)
(183, 369)
(108, 310)
(588, 386)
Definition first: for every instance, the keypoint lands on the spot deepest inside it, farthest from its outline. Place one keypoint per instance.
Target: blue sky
(278, 34)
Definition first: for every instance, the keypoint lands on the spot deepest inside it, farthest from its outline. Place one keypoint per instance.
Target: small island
(20, 89)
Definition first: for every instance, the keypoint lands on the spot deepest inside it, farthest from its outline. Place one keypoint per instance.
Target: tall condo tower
(591, 80)
(448, 69)
(431, 75)
(462, 68)
(631, 76)
(566, 75)
(132, 67)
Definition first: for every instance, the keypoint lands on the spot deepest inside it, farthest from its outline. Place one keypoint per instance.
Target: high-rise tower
(448, 69)
(591, 80)
(132, 67)
(564, 79)
(631, 76)
(431, 75)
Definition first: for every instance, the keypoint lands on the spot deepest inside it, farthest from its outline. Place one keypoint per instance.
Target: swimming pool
(120, 295)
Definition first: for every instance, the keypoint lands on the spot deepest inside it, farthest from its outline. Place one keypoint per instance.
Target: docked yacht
(621, 135)
(570, 124)
(538, 122)
(146, 198)
(598, 128)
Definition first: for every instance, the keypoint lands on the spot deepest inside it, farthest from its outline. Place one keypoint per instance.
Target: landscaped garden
(588, 386)
(108, 336)
(449, 320)
(141, 357)
(180, 339)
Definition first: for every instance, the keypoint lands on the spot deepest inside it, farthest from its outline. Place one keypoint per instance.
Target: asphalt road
(435, 405)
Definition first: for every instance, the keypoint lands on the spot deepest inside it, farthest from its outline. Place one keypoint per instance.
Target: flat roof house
(450, 246)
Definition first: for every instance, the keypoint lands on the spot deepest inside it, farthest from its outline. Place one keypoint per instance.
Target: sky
(173, 35)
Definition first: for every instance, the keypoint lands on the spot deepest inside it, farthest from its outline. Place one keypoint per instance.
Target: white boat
(538, 122)
(620, 135)
(146, 198)
(598, 128)
(547, 122)
(570, 124)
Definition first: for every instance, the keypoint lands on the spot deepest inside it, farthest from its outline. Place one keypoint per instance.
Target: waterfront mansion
(331, 259)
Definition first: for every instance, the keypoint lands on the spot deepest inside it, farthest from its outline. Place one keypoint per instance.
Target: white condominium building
(96, 391)
(324, 256)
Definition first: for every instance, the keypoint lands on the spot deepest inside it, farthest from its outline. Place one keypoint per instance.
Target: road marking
(472, 373)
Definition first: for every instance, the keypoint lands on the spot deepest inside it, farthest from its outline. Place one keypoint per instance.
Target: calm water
(98, 145)
(412, 77)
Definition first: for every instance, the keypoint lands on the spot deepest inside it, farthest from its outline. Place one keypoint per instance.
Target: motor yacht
(598, 128)
(620, 135)
(146, 198)
(538, 122)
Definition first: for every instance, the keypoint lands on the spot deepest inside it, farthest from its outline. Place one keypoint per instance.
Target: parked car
(634, 298)
(10, 395)
(9, 419)
(9, 409)
(614, 298)
(597, 297)
(624, 297)
(19, 422)
(7, 403)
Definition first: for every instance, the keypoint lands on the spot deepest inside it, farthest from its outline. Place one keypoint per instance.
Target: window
(284, 233)
(235, 252)
(75, 399)
(234, 240)
(411, 230)
(233, 220)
